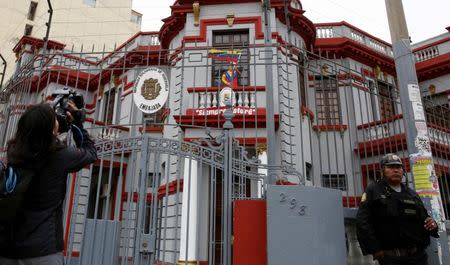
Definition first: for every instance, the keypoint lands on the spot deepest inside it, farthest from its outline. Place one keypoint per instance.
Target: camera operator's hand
(75, 115)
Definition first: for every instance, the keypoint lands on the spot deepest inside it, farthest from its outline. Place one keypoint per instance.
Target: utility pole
(48, 24)
(417, 139)
(270, 124)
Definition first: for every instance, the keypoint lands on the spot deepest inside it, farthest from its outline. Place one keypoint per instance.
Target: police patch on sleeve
(364, 197)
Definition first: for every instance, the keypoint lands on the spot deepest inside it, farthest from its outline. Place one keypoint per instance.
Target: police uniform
(393, 222)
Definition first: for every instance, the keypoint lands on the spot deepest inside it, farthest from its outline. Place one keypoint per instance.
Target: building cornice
(176, 21)
(343, 47)
(37, 44)
(299, 23)
(434, 67)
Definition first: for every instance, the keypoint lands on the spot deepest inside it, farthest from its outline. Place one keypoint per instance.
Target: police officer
(392, 222)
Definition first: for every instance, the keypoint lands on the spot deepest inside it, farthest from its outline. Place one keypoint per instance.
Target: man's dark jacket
(38, 227)
(388, 220)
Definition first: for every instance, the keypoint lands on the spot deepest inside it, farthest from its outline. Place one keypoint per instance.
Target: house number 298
(293, 204)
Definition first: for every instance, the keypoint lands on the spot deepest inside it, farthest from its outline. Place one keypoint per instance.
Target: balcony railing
(154, 39)
(381, 129)
(325, 32)
(210, 99)
(342, 29)
(395, 126)
(99, 131)
(438, 134)
(426, 54)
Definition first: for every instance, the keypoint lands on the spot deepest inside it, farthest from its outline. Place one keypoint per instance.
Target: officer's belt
(401, 252)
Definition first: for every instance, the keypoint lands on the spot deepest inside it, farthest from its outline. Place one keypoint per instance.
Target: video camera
(61, 106)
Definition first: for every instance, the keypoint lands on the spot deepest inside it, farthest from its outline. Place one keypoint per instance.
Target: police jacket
(38, 227)
(389, 220)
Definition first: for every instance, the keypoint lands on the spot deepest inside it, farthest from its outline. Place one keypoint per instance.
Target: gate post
(143, 244)
(227, 183)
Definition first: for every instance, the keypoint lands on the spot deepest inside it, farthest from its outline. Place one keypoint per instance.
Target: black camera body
(61, 106)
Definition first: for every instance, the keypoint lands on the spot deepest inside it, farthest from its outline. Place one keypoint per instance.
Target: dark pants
(419, 258)
(53, 259)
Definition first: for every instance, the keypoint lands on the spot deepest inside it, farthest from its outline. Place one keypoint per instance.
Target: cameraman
(36, 235)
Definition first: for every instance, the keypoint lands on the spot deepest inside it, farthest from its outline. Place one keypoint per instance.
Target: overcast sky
(425, 19)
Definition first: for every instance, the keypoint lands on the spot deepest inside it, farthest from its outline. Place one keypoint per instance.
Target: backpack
(13, 185)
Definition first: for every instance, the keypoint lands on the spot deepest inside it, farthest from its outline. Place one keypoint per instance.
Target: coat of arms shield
(150, 89)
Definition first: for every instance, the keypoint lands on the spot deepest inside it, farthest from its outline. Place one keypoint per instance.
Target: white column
(240, 101)
(261, 150)
(246, 101)
(252, 99)
(214, 99)
(208, 99)
(202, 100)
(188, 233)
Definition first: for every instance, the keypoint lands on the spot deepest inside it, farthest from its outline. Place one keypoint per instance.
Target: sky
(425, 19)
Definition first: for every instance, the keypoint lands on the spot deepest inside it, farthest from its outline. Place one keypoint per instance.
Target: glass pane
(226, 39)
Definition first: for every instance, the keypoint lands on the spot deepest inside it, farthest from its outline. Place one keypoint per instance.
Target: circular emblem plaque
(226, 94)
(151, 90)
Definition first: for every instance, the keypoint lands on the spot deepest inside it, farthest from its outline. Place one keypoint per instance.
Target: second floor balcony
(346, 30)
(389, 135)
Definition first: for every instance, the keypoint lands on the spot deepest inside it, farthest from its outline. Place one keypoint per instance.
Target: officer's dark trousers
(419, 258)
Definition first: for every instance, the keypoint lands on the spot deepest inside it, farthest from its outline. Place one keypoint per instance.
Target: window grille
(334, 181)
(386, 95)
(327, 100)
(437, 110)
(108, 110)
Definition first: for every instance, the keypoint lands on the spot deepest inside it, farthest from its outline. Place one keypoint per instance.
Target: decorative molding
(300, 24)
(230, 20)
(433, 68)
(432, 89)
(348, 48)
(36, 44)
(261, 148)
(196, 9)
(205, 23)
(324, 70)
